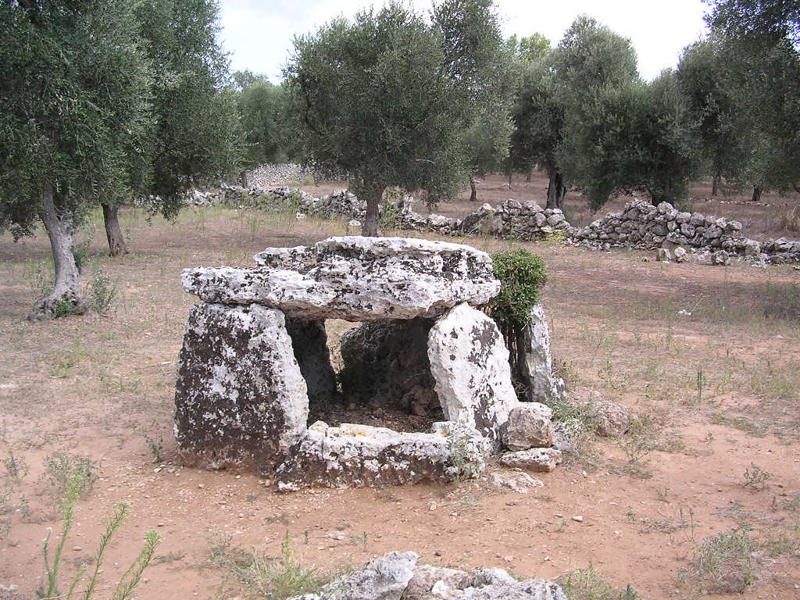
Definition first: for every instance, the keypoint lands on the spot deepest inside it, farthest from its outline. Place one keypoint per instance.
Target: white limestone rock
(529, 426)
(355, 278)
(354, 455)
(539, 460)
(537, 367)
(239, 392)
(469, 363)
(382, 578)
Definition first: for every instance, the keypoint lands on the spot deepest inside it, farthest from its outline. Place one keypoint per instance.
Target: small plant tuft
(521, 276)
(588, 584)
(66, 475)
(756, 478)
(723, 563)
(102, 292)
(274, 578)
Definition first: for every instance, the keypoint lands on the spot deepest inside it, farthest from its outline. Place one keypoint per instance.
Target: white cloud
(258, 34)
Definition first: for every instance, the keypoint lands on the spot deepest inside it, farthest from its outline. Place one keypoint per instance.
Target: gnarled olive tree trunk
(373, 199)
(555, 188)
(65, 298)
(756, 193)
(116, 241)
(473, 191)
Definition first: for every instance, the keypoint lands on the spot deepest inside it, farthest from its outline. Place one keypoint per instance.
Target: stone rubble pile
(524, 221)
(397, 576)
(255, 356)
(268, 176)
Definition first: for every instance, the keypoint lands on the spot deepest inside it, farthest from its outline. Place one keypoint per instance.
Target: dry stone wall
(640, 225)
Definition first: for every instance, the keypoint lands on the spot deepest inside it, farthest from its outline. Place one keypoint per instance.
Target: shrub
(521, 276)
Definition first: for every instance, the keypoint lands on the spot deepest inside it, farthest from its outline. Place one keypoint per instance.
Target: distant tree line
(104, 102)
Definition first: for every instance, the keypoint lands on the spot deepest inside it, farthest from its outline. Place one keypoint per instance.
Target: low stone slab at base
(354, 455)
(538, 460)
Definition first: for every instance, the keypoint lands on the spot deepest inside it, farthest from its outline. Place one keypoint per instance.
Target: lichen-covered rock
(382, 578)
(469, 363)
(539, 460)
(396, 575)
(530, 589)
(353, 455)
(239, 393)
(610, 418)
(529, 426)
(355, 278)
(537, 366)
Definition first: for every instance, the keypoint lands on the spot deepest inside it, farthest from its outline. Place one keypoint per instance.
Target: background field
(717, 390)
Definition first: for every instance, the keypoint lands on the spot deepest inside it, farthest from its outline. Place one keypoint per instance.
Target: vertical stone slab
(310, 342)
(239, 394)
(469, 363)
(537, 366)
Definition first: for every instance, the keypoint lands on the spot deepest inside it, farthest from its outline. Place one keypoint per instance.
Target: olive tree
(261, 107)
(705, 81)
(195, 133)
(538, 126)
(74, 123)
(389, 98)
(619, 133)
(760, 42)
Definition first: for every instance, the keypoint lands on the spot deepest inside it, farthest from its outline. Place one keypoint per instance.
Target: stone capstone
(355, 278)
(239, 392)
(354, 455)
(469, 363)
(529, 425)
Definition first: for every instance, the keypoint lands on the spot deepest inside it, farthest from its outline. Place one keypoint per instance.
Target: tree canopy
(101, 102)
(389, 97)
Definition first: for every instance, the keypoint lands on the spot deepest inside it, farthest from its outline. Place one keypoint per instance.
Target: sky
(258, 33)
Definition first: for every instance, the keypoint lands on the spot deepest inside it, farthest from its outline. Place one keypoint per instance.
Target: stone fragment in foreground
(239, 392)
(354, 455)
(540, 460)
(529, 425)
(355, 278)
(469, 363)
(382, 578)
(611, 418)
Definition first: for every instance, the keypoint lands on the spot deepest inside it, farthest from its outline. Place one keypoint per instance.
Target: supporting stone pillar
(536, 368)
(240, 394)
(469, 362)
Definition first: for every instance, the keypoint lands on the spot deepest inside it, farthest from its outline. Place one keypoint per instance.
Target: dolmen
(255, 358)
